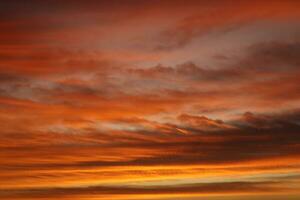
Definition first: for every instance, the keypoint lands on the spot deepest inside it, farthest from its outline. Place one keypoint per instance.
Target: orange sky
(154, 100)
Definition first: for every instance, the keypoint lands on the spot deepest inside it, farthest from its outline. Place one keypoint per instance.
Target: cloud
(209, 188)
(202, 122)
(109, 98)
(219, 18)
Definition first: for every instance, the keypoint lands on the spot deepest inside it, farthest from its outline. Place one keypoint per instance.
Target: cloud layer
(149, 100)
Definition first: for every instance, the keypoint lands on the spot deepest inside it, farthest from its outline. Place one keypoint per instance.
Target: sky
(149, 100)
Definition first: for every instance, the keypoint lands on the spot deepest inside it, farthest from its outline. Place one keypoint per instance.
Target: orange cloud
(149, 100)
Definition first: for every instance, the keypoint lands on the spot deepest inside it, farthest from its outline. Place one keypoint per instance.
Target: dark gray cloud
(207, 188)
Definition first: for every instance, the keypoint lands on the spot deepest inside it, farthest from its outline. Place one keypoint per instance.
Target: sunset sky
(149, 100)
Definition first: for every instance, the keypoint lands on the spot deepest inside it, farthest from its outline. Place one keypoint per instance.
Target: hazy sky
(150, 100)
